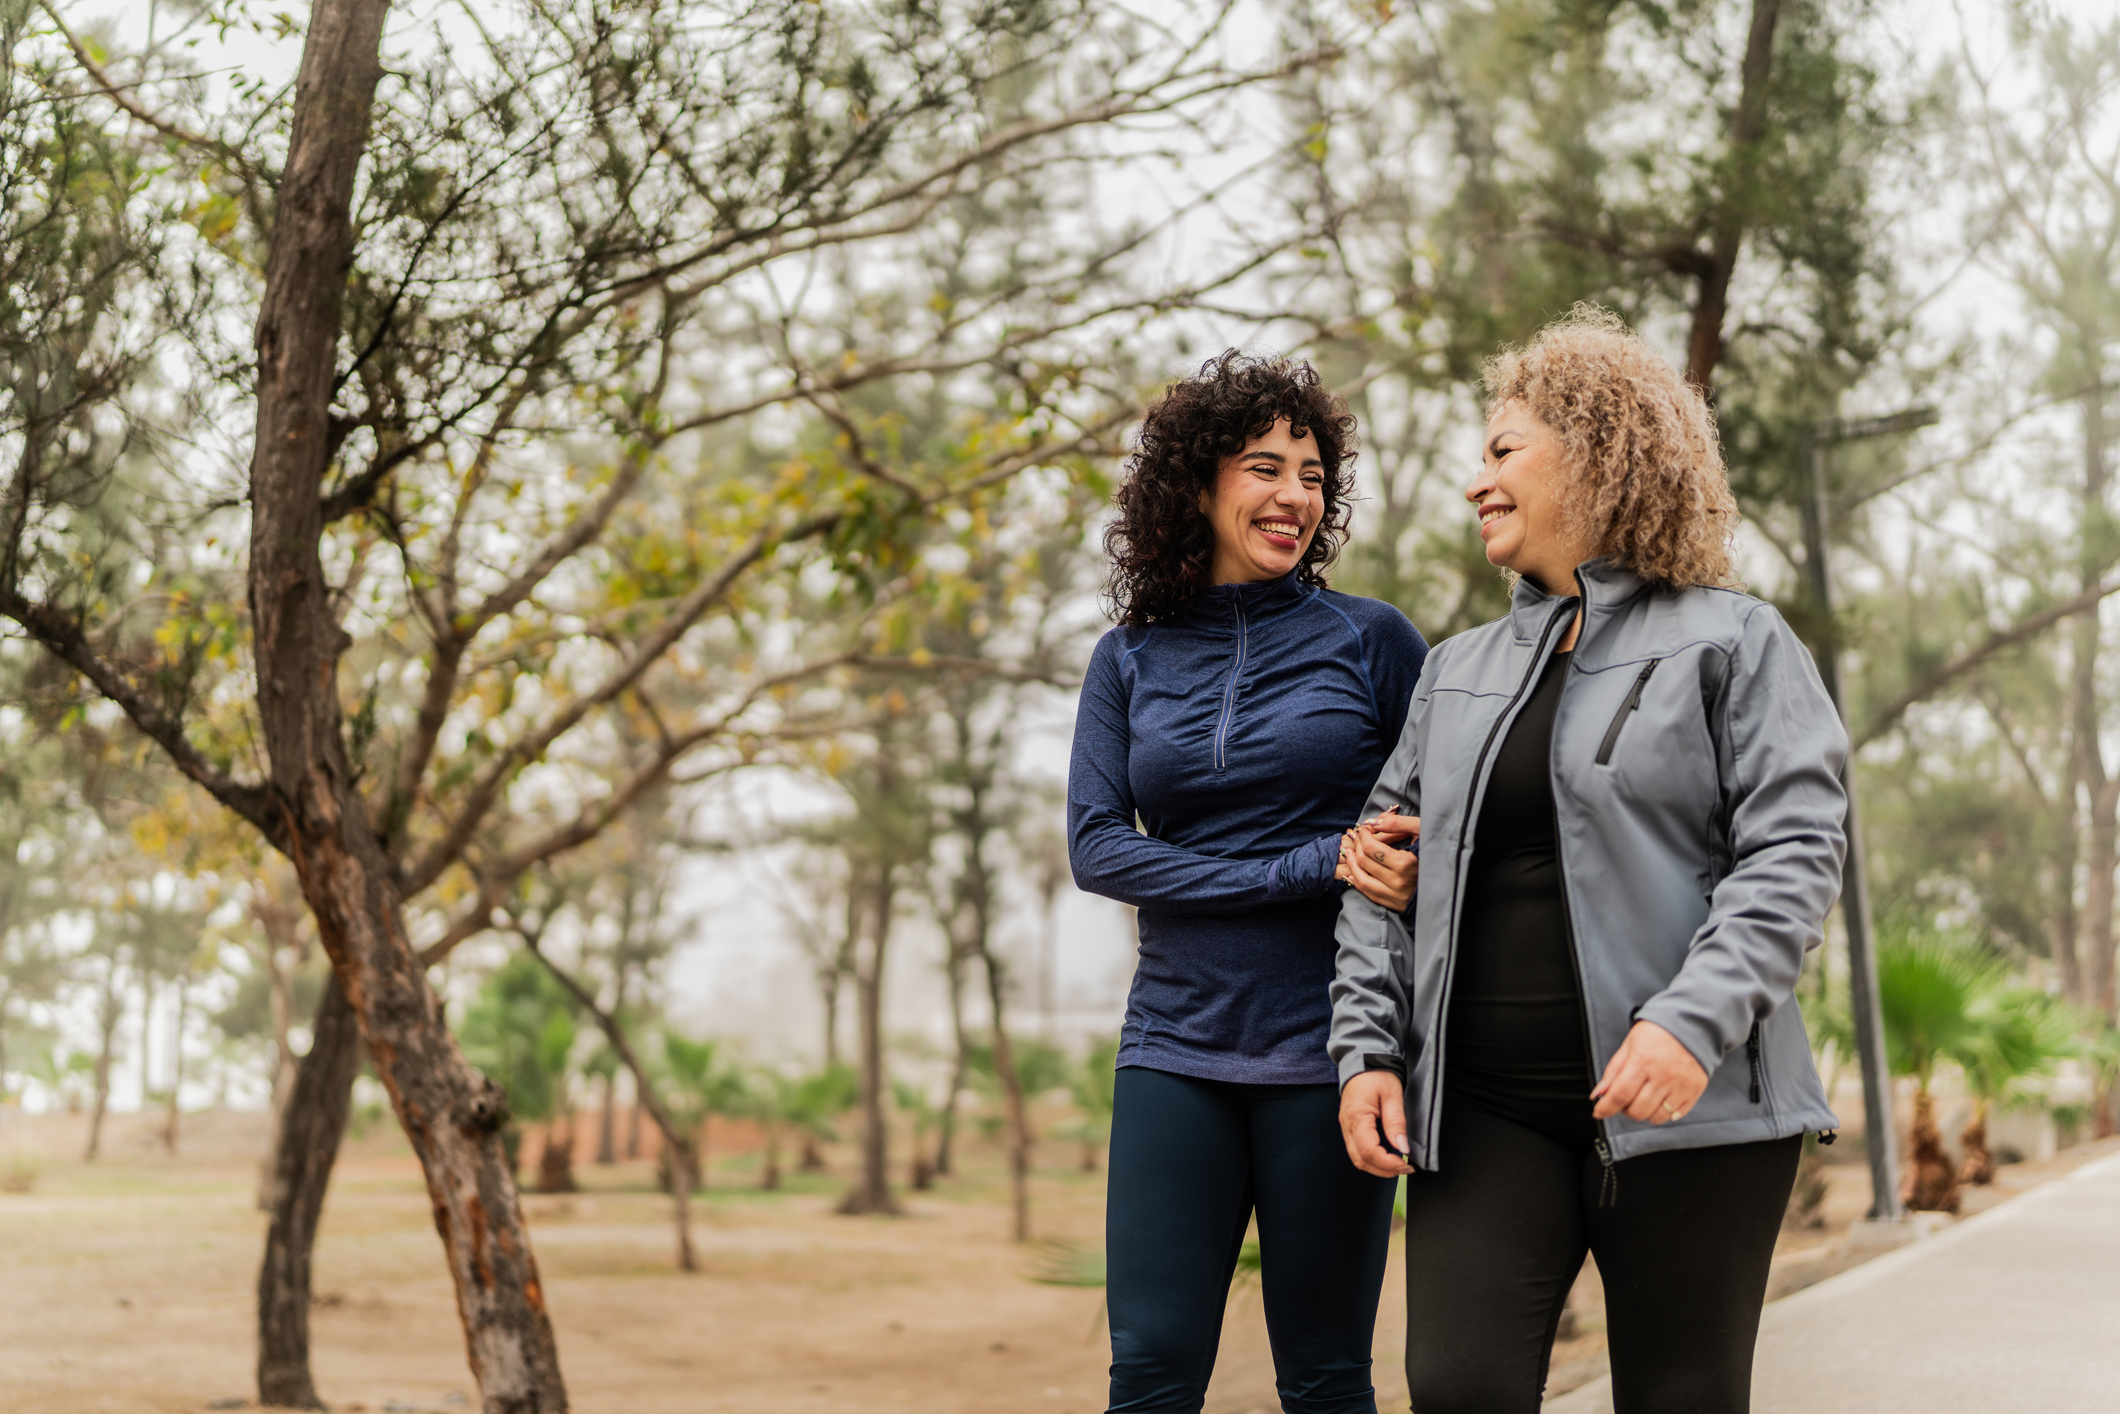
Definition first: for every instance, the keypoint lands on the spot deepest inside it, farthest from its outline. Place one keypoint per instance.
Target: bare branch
(2031, 626)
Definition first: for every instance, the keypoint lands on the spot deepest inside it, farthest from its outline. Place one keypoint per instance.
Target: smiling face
(1266, 505)
(1518, 492)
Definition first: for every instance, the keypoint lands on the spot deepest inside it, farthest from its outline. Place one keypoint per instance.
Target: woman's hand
(1373, 1122)
(1383, 875)
(1651, 1078)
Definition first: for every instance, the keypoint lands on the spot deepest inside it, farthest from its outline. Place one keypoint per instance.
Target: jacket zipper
(1626, 710)
(1229, 693)
(1457, 869)
(1759, 1066)
(1608, 1185)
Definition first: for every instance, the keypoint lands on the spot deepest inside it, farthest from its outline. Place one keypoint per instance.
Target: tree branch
(2031, 626)
(64, 637)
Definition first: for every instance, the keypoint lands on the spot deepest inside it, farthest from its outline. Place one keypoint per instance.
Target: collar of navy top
(1219, 605)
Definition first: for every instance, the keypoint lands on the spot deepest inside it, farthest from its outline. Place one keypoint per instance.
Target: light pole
(1878, 1135)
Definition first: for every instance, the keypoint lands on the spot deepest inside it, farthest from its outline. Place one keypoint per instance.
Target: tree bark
(1704, 344)
(450, 1113)
(306, 1146)
(871, 1192)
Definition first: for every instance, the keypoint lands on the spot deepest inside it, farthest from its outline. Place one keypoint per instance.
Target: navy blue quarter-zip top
(1216, 760)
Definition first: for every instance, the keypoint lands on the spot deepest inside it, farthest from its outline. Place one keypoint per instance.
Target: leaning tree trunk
(312, 1122)
(677, 1156)
(451, 1114)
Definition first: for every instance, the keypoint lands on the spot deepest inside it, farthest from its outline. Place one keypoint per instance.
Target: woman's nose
(1481, 485)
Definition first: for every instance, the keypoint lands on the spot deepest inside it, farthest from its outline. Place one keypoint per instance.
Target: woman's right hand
(1383, 875)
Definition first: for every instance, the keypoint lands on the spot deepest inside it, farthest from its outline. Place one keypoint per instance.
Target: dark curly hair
(1162, 546)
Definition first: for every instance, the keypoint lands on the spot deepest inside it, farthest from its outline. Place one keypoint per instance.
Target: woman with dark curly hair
(1229, 729)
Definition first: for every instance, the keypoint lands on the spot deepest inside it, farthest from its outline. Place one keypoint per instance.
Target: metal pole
(1879, 1137)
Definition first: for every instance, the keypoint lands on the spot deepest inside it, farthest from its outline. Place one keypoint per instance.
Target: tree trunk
(960, 1063)
(555, 1161)
(2067, 919)
(1713, 268)
(110, 1015)
(607, 1122)
(871, 1192)
(176, 1071)
(1931, 1184)
(2095, 934)
(2101, 860)
(1979, 1166)
(315, 814)
(769, 1177)
(1019, 1125)
(312, 1123)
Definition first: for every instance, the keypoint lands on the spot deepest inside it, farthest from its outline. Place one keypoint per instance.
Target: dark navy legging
(1191, 1161)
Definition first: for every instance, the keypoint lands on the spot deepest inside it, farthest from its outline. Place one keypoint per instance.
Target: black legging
(1190, 1160)
(1495, 1238)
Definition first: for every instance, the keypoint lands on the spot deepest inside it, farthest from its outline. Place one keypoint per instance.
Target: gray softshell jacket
(1697, 787)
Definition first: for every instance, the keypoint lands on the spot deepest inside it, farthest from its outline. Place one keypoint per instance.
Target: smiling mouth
(1281, 532)
(1490, 514)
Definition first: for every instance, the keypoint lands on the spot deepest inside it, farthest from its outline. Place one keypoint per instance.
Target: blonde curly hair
(1645, 478)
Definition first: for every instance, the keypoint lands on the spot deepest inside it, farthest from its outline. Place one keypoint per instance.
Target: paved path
(2016, 1311)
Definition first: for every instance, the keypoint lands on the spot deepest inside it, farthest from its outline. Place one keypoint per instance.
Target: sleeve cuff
(1359, 1064)
(1305, 871)
(1688, 1033)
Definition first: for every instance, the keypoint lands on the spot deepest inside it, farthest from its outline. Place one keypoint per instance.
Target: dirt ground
(126, 1287)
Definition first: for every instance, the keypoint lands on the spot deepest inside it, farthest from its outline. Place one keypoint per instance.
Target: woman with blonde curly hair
(1627, 795)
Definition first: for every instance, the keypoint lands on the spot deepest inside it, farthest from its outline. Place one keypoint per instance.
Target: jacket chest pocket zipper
(1626, 710)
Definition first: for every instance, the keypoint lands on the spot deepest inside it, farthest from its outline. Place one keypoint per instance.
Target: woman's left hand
(1651, 1078)
(1383, 875)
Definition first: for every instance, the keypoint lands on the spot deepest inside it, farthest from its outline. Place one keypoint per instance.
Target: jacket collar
(1218, 607)
(1606, 587)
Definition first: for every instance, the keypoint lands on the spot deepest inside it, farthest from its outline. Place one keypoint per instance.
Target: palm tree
(697, 1087)
(814, 1103)
(1929, 984)
(2019, 1034)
